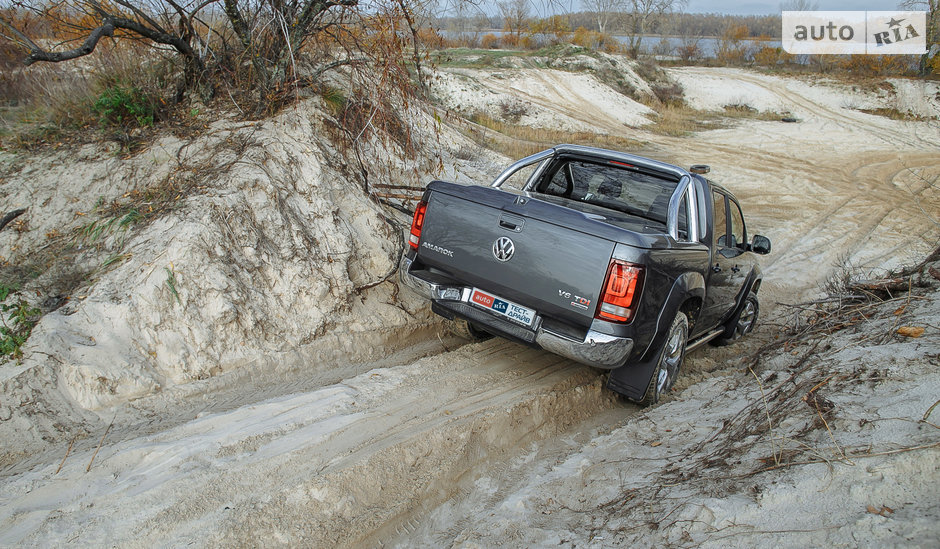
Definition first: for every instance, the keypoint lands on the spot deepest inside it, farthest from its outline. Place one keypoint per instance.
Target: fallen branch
(833, 438)
(815, 461)
(100, 442)
(396, 195)
(930, 410)
(10, 217)
(799, 531)
(898, 451)
(67, 452)
(770, 425)
(397, 187)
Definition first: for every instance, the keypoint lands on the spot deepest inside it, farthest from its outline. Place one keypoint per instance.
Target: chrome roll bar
(675, 202)
(516, 166)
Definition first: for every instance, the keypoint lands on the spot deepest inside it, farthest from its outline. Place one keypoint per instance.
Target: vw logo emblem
(503, 249)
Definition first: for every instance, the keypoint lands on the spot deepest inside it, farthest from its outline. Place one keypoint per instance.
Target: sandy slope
(495, 444)
(840, 186)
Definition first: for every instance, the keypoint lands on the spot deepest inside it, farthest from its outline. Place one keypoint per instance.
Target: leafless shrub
(689, 51)
(467, 152)
(512, 110)
(260, 50)
(669, 94)
(651, 72)
(740, 107)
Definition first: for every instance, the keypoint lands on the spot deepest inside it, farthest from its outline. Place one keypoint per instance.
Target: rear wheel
(670, 361)
(465, 329)
(742, 323)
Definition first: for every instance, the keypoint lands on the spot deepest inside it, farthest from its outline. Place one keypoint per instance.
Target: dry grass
(679, 120)
(895, 114)
(674, 119)
(517, 141)
(749, 113)
(47, 103)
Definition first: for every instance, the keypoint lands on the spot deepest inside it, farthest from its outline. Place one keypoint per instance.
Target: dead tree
(165, 22)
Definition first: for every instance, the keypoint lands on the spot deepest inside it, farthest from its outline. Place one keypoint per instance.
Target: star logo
(894, 23)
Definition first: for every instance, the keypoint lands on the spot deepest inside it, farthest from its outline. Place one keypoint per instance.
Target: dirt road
(366, 459)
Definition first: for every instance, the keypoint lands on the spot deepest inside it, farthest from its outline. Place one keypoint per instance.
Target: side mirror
(761, 245)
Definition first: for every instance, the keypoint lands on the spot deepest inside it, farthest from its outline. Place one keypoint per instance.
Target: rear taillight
(621, 291)
(417, 224)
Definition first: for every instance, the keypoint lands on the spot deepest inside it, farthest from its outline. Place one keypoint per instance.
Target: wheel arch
(752, 284)
(686, 294)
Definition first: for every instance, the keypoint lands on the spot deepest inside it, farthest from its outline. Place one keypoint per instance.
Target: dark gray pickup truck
(613, 260)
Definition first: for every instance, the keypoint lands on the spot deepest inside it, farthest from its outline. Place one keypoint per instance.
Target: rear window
(611, 186)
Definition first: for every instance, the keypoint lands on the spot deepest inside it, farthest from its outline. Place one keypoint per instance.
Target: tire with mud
(465, 329)
(670, 361)
(742, 323)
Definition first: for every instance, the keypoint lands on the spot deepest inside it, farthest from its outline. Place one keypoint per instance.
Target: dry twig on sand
(100, 442)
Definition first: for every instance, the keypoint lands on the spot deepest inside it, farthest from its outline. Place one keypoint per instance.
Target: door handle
(716, 268)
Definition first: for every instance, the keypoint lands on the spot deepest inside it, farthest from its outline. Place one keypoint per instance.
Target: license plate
(510, 310)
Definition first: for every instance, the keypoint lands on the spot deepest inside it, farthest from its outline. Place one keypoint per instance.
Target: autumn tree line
(703, 25)
(664, 29)
(132, 61)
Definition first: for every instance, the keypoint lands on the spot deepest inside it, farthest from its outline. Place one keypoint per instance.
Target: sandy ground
(438, 443)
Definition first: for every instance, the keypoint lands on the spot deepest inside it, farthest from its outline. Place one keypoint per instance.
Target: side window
(738, 232)
(559, 185)
(721, 219)
(519, 179)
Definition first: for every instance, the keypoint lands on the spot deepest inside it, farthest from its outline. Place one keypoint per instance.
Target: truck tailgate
(553, 269)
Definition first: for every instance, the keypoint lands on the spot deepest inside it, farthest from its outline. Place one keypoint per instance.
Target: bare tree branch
(36, 53)
(10, 216)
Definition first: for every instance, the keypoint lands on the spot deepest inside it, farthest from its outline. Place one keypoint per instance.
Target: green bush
(15, 328)
(124, 106)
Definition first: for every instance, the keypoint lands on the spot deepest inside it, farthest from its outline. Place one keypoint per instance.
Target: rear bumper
(596, 349)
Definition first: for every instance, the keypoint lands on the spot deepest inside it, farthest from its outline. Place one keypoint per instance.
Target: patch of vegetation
(614, 78)
(124, 106)
(896, 114)
(652, 72)
(519, 141)
(171, 284)
(738, 110)
(680, 120)
(512, 110)
(335, 99)
(94, 231)
(670, 93)
(472, 58)
(16, 323)
(559, 51)
(28, 136)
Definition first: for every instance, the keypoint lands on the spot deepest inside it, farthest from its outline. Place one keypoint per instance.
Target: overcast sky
(767, 7)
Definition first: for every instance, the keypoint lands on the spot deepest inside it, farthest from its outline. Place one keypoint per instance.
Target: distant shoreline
(499, 32)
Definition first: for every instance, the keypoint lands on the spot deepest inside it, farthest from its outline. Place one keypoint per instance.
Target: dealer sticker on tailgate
(506, 308)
